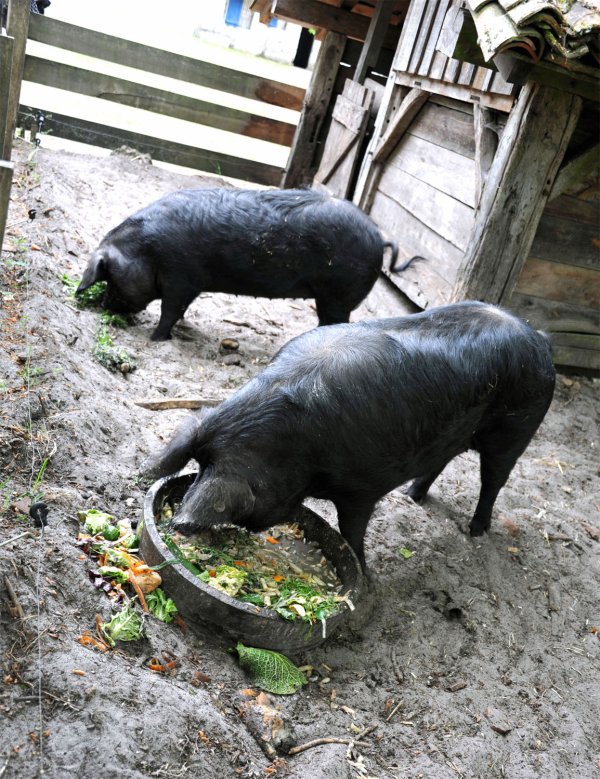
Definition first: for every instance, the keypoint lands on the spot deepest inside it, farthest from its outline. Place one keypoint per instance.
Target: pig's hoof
(160, 337)
(478, 530)
(415, 494)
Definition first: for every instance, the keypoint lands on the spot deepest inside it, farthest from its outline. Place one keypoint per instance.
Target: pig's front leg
(171, 311)
(354, 513)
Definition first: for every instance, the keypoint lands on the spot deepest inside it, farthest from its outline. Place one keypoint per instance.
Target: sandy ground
(479, 658)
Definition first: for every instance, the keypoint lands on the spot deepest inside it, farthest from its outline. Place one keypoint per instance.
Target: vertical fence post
(6, 52)
(17, 27)
(6, 174)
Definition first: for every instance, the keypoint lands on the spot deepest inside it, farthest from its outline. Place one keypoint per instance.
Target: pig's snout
(184, 523)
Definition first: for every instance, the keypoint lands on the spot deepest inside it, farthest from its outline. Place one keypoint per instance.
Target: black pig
(351, 411)
(269, 243)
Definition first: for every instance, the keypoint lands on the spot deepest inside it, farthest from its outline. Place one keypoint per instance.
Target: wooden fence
(16, 65)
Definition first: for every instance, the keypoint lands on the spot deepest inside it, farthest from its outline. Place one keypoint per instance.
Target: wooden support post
(17, 27)
(380, 22)
(6, 174)
(486, 144)
(519, 182)
(6, 52)
(301, 167)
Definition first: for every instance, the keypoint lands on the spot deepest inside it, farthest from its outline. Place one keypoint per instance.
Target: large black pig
(351, 411)
(269, 243)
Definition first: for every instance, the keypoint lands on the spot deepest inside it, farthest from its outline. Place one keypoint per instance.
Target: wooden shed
(482, 154)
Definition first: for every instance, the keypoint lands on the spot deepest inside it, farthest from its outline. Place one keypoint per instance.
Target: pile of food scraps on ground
(111, 546)
(276, 569)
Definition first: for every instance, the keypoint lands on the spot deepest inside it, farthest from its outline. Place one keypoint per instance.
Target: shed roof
(557, 30)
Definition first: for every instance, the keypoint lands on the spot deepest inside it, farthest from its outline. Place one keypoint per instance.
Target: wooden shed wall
(426, 195)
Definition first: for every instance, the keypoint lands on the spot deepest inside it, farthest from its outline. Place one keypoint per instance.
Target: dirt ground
(477, 658)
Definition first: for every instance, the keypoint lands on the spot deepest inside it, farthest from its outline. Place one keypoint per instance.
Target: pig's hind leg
(354, 513)
(499, 449)
(420, 487)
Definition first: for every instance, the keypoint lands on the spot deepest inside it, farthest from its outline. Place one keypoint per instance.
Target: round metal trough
(204, 606)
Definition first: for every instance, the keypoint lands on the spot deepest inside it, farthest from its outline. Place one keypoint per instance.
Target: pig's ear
(95, 271)
(177, 452)
(218, 499)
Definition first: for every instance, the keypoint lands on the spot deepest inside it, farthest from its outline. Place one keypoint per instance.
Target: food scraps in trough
(277, 570)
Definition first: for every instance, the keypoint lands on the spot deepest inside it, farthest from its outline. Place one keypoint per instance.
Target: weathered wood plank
(553, 315)
(400, 122)
(165, 63)
(310, 13)
(446, 127)
(86, 82)
(531, 149)
(445, 170)
(410, 30)
(576, 350)
(6, 53)
(422, 37)
(301, 163)
(453, 220)
(486, 144)
(457, 91)
(378, 27)
(516, 69)
(425, 66)
(415, 238)
(576, 170)
(570, 207)
(6, 174)
(16, 26)
(80, 130)
(566, 240)
(558, 281)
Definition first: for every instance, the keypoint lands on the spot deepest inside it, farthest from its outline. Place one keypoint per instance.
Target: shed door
(348, 126)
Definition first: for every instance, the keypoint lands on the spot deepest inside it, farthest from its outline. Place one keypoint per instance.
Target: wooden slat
(553, 315)
(399, 123)
(410, 29)
(17, 26)
(432, 41)
(378, 28)
(419, 44)
(80, 130)
(116, 90)
(457, 91)
(561, 239)
(532, 146)
(6, 53)
(517, 69)
(452, 219)
(570, 207)
(416, 238)
(310, 13)
(301, 163)
(576, 170)
(6, 174)
(577, 351)
(446, 127)
(559, 281)
(486, 144)
(165, 63)
(442, 169)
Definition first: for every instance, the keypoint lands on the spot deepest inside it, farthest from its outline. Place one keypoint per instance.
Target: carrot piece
(138, 591)
(272, 540)
(278, 578)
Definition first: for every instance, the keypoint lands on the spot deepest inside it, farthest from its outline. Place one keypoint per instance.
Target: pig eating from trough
(351, 411)
(269, 243)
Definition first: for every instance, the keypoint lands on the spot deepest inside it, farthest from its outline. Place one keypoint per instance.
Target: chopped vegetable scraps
(125, 625)
(94, 521)
(259, 568)
(160, 606)
(272, 671)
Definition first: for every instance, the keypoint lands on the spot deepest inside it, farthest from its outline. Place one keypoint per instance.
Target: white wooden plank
(453, 220)
(445, 170)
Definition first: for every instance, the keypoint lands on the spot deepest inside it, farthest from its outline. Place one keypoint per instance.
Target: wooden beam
(80, 130)
(17, 26)
(531, 149)
(517, 69)
(401, 121)
(469, 94)
(301, 164)
(378, 27)
(6, 53)
(486, 143)
(311, 13)
(165, 63)
(576, 170)
(6, 174)
(87, 82)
